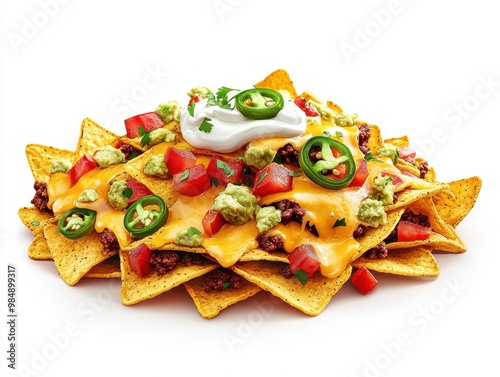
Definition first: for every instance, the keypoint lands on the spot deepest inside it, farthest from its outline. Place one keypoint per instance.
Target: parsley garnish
(35, 223)
(369, 157)
(301, 276)
(339, 134)
(145, 136)
(226, 284)
(295, 173)
(191, 108)
(340, 222)
(184, 175)
(206, 126)
(127, 193)
(225, 167)
(262, 176)
(220, 98)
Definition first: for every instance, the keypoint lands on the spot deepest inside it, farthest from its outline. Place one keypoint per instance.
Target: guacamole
(161, 135)
(60, 166)
(199, 91)
(383, 190)
(236, 204)
(108, 156)
(169, 111)
(259, 156)
(388, 150)
(340, 119)
(88, 195)
(189, 237)
(267, 218)
(116, 198)
(156, 166)
(372, 211)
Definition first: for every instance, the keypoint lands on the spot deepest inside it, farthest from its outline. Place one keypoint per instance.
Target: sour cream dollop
(232, 130)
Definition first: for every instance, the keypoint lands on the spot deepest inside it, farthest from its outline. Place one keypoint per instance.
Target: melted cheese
(63, 198)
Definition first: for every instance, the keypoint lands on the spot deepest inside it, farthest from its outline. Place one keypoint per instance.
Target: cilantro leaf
(226, 168)
(127, 193)
(145, 136)
(339, 222)
(301, 276)
(206, 126)
(191, 108)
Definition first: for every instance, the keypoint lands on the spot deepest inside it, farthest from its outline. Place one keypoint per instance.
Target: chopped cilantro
(184, 175)
(127, 193)
(339, 222)
(301, 276)
(225, 167)
(206, 126)
(145, 136)
(191, 108)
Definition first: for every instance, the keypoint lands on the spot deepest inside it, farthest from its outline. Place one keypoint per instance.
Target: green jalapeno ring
(147, 221)
(259, 103)
(76, 223)
(314, 171)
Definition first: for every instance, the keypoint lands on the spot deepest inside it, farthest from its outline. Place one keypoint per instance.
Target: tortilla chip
(136, 289)
(375, 141)
(41, 157)
(401, 141)
(454, 208)
(210, 304)
(107, 269)
(278, 80)
(34, 219)
(39, 248)
(311, 298)
(259, 254)
(73, 258)
(92, 138)
(407, 262)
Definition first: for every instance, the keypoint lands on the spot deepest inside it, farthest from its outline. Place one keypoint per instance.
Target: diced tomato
(304, 105)
(408, 231)
(361, 174)
(139, 260)
(271, 179)
(224, 170)
(396, 179)
(178, 160)
(149, 121)
(304, 258)
(363, 280)
(192, 181)
(195, 98)
(212, 222)
(138, 190)
(85, 164)
(405, 153)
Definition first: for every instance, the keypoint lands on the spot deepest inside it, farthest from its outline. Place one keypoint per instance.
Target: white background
(422, 68)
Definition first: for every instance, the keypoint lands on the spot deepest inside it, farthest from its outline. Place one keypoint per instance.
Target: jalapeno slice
(140, 221)
(327, 162)
(259, 103)
(76, 223)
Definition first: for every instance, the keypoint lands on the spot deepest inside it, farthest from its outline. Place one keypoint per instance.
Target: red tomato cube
(85, 164)
(139, 190)
(304, 258)
(271, 179)
(192, 182)
(139, 260)
(361, 174)
(178, 160)
(212, 222)
(224, 170)
(408, 231)
(148, 121)
(363, 280)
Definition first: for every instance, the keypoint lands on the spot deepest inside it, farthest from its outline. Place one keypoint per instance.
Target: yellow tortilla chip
(93, 137)
(455, 205)
(136, 289)
(407, 262)
(39, 248)
(259, 254)
(34, 220)
(73, 258)
(41, 157)
(278, 80)
(375, 141)
(107, 269)
(311, 298)
(210, 304)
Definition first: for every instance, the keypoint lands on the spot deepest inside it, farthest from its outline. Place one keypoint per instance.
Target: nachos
(236, 191)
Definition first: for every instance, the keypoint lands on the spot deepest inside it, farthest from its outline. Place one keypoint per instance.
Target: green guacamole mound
(236, 204)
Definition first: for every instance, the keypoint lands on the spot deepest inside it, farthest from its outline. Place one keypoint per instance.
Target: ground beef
(363, 137)
(423, 168)
(359, 232)
(222, 278)
(290, 211)
(109, 242)
(270, 243)
(288, 155)
(378, 252)
(194, 259)
(41, 198)
(163, 261)
(287, 272)
(129, 151)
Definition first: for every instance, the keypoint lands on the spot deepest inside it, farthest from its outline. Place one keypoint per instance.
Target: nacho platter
(306, 200)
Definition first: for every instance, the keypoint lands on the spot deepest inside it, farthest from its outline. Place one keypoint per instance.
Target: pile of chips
(444, 205)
